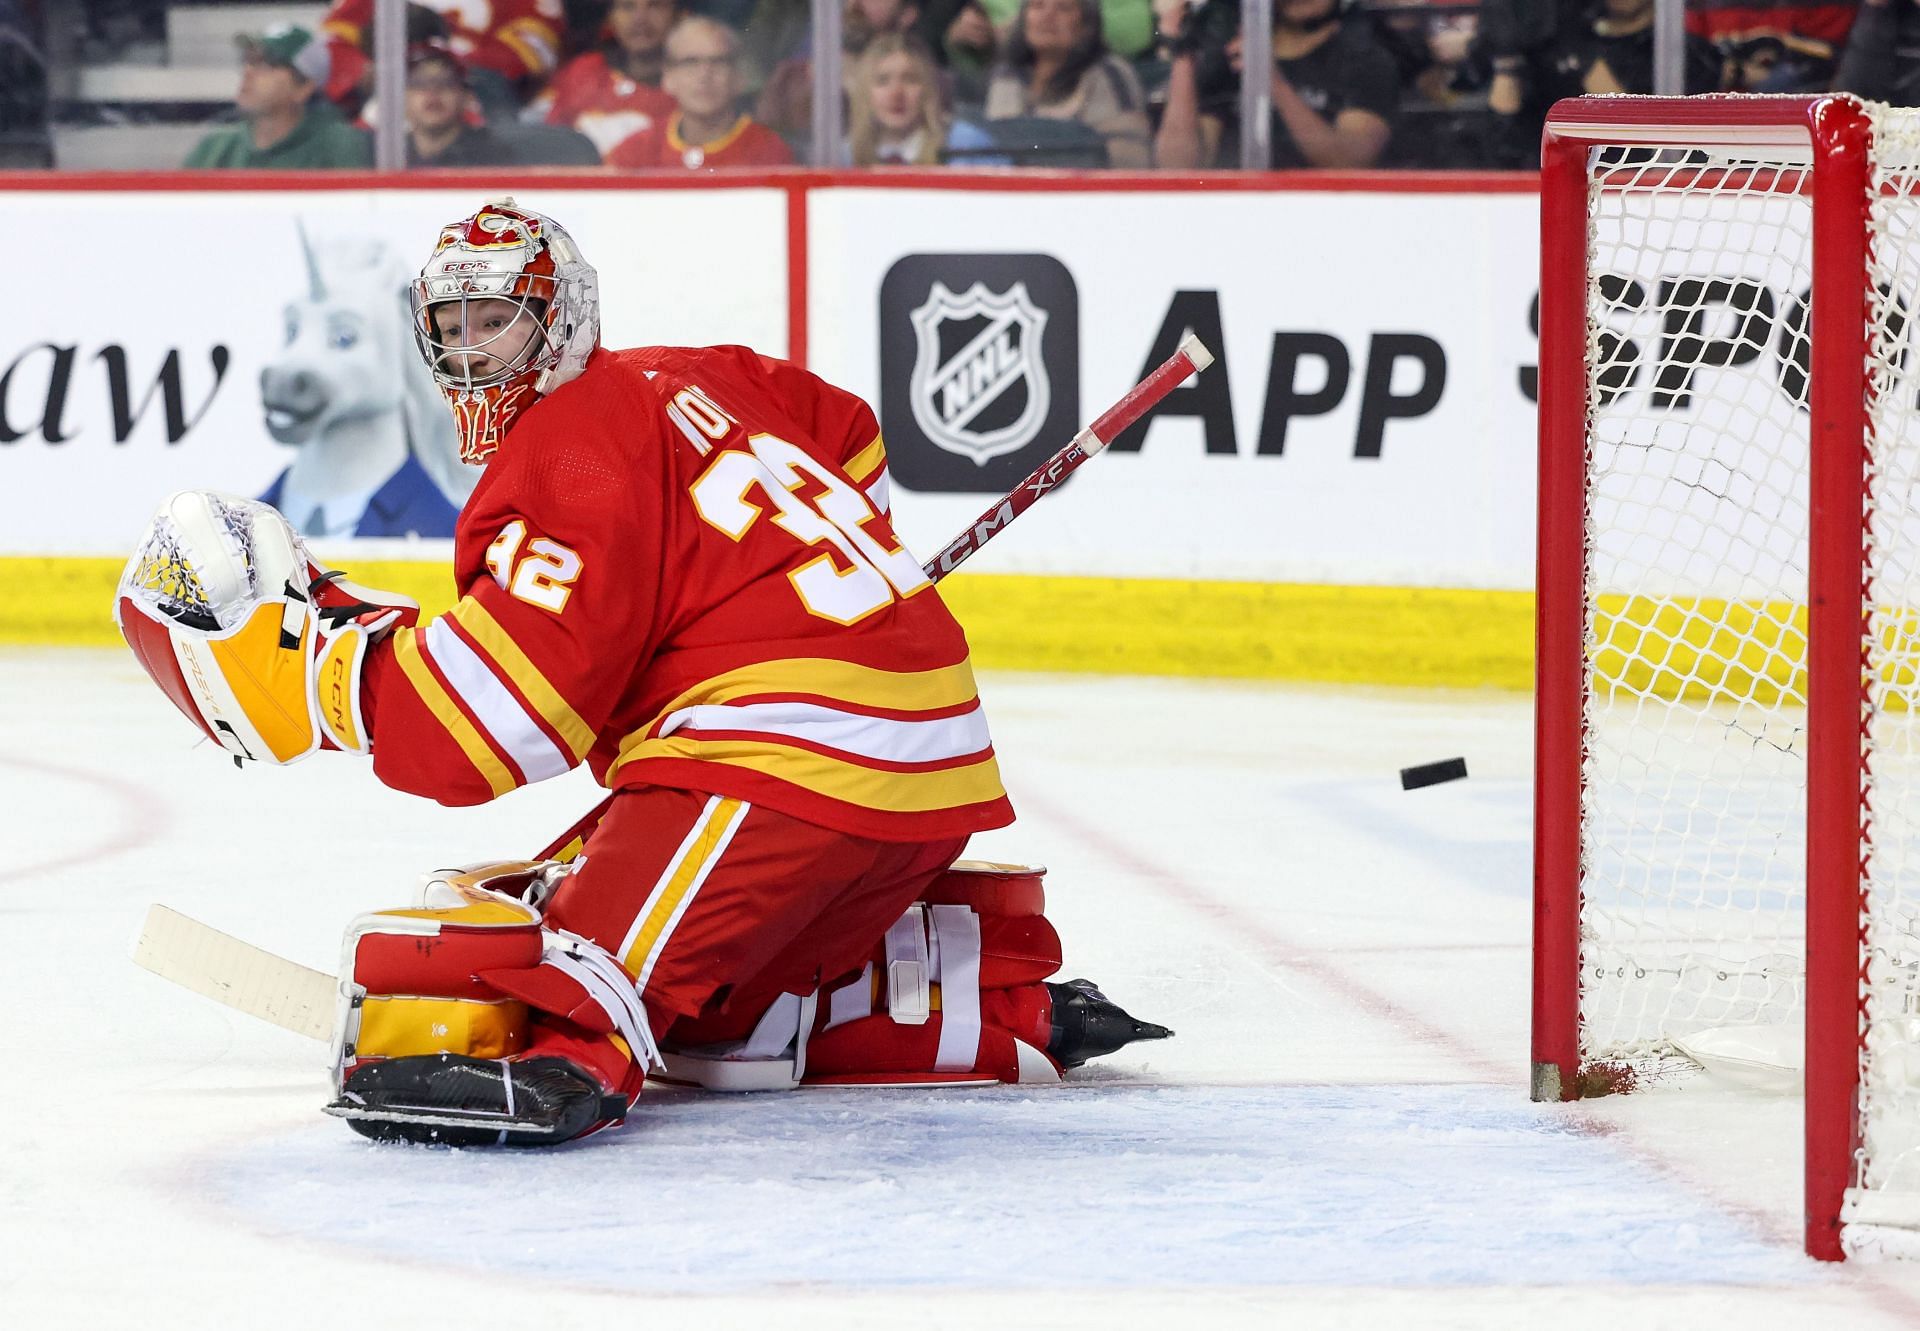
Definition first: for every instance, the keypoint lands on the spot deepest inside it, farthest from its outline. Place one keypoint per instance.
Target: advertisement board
(255, 341)
(1369, 420)
(1346, 494)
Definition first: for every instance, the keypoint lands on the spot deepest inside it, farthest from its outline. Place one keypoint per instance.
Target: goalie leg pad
(465, 1022)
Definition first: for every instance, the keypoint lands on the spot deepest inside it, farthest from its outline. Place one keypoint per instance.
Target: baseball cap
(292, 48)
(421, 53)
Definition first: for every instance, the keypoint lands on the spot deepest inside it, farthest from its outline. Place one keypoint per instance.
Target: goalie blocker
(465, 1021)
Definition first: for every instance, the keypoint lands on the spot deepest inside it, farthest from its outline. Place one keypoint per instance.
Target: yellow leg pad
(395, 1027)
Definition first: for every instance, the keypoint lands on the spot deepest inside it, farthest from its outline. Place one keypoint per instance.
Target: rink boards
(1347, 494)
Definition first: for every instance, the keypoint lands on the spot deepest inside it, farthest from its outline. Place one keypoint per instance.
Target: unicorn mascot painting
(377, 450)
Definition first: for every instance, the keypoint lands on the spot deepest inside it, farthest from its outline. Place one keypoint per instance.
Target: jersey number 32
(740, 487)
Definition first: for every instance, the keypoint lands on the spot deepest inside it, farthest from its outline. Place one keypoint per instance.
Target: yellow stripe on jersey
(868, 460)
(850, 783)
(835, 681)
(691, 867)
(529, 39)
(514, 663)
(406, 652)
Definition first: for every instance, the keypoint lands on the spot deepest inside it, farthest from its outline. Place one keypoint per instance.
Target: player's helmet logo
(979, 386)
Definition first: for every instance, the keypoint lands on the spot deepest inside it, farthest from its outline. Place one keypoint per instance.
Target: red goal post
(1718, 618)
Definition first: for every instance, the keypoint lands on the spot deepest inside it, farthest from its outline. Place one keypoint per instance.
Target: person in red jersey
(515, 43)
(612, 94)
(707, 127)
(678, 568)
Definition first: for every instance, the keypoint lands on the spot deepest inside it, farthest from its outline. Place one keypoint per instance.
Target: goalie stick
(260, 984)
(243, 977)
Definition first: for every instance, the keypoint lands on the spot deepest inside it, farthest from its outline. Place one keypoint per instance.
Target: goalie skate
(454, 1100)
(1087, 1024)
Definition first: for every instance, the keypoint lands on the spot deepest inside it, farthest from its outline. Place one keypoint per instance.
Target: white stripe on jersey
(880, 491)
(935, 739)
(499, 713)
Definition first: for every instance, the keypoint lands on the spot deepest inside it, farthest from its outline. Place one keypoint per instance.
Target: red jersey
(679, 568)
(596, 99)
(746, 144)
(1812, 27)
(518, 39)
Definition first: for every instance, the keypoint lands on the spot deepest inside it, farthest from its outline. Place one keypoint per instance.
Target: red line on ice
(1873, 1287)
(136, 824)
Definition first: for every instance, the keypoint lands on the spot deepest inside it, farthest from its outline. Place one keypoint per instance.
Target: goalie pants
(717, 906)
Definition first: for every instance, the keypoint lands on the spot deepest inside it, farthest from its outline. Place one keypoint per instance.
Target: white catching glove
(258, 645)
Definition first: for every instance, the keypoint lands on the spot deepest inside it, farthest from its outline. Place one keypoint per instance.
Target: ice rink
(1338, 1137)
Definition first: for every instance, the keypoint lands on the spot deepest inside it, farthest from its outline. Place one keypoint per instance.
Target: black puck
(1432, 774)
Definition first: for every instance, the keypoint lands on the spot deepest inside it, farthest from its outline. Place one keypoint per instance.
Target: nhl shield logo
(979, 386)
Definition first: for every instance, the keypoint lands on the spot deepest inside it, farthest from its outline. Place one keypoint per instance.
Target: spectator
(444, 127)
(1443, 121)
(707, 127)
(974, 32)
(1335, 92)
(895, 114)
(613, 93)
(1882, 55)
(1612, 51)
(1774, 45)
(1055, 66)
(24, 141)
(785, 104)
(288, 126)
(511, 47)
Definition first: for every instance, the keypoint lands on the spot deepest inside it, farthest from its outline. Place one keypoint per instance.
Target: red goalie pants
(717, 906)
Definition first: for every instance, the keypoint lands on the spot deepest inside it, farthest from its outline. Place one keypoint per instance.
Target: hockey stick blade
(239, 975)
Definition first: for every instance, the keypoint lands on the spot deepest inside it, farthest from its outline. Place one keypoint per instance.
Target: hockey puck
(1432, 774)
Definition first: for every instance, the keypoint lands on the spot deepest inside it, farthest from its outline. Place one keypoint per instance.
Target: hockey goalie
(677, 568)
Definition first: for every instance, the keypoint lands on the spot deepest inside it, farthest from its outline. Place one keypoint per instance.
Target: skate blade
(439, 1118)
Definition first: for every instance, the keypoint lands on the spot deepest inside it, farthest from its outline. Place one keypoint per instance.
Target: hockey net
(1678, 710)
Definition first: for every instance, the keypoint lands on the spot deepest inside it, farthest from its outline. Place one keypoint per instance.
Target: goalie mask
(505, 312)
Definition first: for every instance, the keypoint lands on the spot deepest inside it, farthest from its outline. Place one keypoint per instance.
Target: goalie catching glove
(258, 645)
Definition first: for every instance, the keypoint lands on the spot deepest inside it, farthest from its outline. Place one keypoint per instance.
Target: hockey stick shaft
(1188, 359)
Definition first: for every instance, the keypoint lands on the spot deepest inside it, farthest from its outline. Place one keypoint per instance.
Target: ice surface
(1338, 1137)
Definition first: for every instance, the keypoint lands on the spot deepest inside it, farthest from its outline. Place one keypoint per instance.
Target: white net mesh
(204, 575)
(1693, 874)
(1694, 773)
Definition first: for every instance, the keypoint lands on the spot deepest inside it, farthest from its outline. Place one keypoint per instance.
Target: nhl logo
(979, 386)
(979, 368)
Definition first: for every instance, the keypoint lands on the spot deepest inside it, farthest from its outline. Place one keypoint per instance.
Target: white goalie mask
(505, 312)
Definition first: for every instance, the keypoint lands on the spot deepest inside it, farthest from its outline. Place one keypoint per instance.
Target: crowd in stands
(665, 84)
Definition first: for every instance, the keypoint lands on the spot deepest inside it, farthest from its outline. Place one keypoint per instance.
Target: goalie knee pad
(956, 992)
(464, 1021)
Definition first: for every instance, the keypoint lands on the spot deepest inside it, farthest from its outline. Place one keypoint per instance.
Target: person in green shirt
(285, 123)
